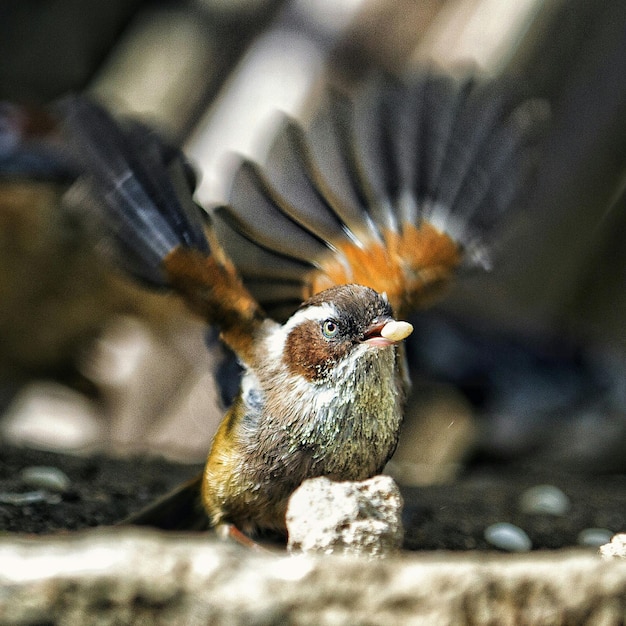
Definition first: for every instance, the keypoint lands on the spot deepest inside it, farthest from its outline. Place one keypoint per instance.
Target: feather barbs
(411, 267)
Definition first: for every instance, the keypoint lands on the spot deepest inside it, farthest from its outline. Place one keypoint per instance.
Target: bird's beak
(387, 333)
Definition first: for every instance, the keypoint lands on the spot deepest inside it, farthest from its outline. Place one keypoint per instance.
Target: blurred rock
(160, 69)
(135, 577)
(508, 537)
(329, 517)
(60, 322)
(55, 293)
(594, 537)
(544, 500)
(383, 34)
(156, 386)
(29, 498)
(49, 416)
(484, 33)
(46, 477)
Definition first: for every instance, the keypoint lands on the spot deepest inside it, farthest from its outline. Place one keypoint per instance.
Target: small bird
(369, 212)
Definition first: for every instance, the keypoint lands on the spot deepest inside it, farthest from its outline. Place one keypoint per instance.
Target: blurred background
(528, 361)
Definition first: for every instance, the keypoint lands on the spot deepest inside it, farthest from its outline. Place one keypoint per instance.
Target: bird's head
(335, 329)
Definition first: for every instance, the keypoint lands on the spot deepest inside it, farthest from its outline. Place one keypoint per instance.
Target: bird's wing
(140, 192)
(395, 188)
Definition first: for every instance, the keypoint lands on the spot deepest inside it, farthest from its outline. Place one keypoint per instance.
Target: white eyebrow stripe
(317, 313)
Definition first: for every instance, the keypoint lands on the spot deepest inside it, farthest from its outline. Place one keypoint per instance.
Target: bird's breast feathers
(346, 425)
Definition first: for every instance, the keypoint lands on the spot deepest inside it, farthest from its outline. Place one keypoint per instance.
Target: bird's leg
(227, 531)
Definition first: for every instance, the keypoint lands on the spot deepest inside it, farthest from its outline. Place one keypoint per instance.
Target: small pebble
(29, 497)
(594, 537)
(508, 537)
(45, 477)
(544, 500)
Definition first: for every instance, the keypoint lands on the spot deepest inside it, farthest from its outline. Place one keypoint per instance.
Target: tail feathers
(141, 188)
(180, 509)
(394, 187)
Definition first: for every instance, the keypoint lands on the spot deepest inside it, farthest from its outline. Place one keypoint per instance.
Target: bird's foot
(230, 532)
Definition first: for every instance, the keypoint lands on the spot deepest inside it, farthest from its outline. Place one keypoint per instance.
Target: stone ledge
(133, 576)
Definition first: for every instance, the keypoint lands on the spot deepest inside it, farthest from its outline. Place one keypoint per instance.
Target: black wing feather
(141, 185)
(447, 150)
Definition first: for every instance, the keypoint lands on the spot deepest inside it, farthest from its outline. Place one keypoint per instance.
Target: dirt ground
(104, 491)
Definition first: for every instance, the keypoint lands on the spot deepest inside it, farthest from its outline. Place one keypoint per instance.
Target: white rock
(616, 549)
(346, 517)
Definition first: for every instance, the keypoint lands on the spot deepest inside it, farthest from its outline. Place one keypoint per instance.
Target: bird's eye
(330, 328)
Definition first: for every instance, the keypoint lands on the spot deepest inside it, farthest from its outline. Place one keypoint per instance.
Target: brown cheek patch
(308, 354)
(410, 267)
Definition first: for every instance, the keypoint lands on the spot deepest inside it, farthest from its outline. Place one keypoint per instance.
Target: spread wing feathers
(140, 204)
(141, 193)
(394, 187)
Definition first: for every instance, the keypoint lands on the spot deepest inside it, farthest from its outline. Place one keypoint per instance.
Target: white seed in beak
(396, 331)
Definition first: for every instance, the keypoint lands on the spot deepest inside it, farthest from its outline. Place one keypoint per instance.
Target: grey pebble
(29, 497)
(544, 500)
(594, 537)
(45, 477)
(508, 537)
